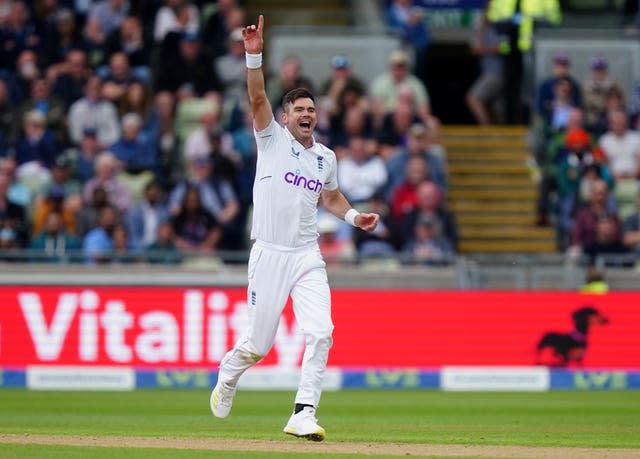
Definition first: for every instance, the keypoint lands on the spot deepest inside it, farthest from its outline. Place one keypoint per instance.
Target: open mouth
(305, 124)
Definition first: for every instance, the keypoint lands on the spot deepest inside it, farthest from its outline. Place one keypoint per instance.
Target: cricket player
(293, 172)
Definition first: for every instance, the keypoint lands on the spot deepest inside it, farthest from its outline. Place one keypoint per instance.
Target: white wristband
(254, 61)
(350, 216)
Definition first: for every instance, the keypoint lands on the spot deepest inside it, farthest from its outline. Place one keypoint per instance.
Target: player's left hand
(367, 222)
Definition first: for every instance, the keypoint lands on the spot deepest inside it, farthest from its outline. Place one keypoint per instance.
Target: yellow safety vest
(530, 10)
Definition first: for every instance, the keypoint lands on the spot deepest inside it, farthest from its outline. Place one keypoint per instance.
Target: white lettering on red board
(199, 334)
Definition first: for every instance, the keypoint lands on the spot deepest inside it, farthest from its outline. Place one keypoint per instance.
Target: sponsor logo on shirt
(300, 181)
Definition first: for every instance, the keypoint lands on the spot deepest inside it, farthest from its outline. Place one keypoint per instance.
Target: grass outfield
(550, 419)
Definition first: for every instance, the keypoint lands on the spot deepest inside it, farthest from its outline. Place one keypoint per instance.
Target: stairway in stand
(492, 192)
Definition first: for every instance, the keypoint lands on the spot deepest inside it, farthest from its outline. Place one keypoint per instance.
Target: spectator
(8, 120)
(607, 242)
(104, 17)
(595, 282)
(70, 77)
(556, 114)
(404, 198)
(163, 109)
(552, 151)
(18, 35)
(197, 144)
(179, 16)
(360, 173)
(35, 150)
(216, 196)
(427, 246)
(575, 162)
(621, 147)
(583, 231)
(63, 37)
(51, 107)
(137, 99)
(595, 90)
(145, 217)
(27, 70)
(94, 112)
(290, 76)
(83, 157)
(87, 216)
(122, 252)
(105, 177)
(52, 202)
(354, 122)
(341, 79)
(135, 154)
(189, 70)
(129, 39)
(197, 231)
(13, 217)
(54, 243)
(18, 192)
(381, 242)
(484, 98)
(98, 245)
(385, 88)
(335, 250)
(408, 19)
(164, 249)
(631, 229)
(394, 132)
(418, 144)
(231, 68)
(560, 69)
(116, 78)
(227, 16)
(429, 204)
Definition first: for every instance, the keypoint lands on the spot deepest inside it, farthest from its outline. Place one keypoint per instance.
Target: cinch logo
(296, 179)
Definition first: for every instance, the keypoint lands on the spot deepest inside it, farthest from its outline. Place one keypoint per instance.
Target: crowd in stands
(125, 137)
(589, 156)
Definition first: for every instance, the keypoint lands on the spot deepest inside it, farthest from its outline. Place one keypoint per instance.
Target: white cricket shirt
(289, 179)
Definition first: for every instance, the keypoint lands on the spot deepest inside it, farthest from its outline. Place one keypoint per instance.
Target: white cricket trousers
(275, 273)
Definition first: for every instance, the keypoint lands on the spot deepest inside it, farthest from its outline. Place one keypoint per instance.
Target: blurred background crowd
(125, 136)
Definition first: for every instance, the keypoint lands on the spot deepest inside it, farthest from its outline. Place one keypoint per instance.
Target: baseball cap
(577, 138)
(56, 192)
(89, 131)
(61, 161)
(562, 59)
(398, 57)
(598, 63)
(191, 36)
(340, 62)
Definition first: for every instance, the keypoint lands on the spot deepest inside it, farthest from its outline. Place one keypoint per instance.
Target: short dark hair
(295, 94)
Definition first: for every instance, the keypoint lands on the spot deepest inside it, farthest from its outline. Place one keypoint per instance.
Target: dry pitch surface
(372, 449)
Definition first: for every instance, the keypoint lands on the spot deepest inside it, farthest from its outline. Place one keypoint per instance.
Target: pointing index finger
(260, 24)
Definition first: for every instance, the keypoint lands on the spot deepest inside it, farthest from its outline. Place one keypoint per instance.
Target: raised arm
(260, 106)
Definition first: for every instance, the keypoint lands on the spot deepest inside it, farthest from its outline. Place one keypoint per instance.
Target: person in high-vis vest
(516, 21)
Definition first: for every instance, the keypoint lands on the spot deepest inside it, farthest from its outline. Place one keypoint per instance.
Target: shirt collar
(295, 143)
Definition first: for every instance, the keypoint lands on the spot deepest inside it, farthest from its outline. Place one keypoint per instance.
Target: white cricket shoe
(221, 399)
(305, 425)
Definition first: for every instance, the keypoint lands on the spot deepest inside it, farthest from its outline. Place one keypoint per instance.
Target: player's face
(301, 119)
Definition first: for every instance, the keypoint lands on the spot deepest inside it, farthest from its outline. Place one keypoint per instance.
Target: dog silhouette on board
(568, 349)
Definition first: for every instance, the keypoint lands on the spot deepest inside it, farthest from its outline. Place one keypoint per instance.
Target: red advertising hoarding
(171, 327)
